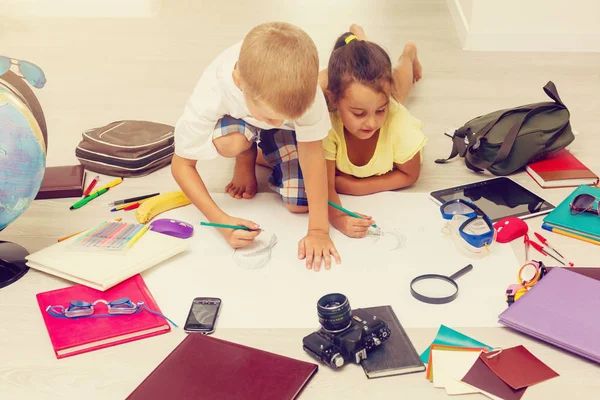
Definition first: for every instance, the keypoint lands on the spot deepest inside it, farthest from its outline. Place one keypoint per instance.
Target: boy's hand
(238, 238)
(351, 226)
(316, 247)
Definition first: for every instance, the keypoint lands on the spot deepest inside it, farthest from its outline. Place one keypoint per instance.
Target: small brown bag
(127, 148)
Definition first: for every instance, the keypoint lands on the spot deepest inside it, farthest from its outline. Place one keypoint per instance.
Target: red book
(561, 169)
(202, 367)
(75, 336)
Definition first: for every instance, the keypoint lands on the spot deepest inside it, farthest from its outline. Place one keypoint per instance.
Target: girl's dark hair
(358, 61)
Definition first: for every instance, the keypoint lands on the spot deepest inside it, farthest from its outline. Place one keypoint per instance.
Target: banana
(159, 204)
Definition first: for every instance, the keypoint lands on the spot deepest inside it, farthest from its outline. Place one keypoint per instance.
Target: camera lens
(334, 312)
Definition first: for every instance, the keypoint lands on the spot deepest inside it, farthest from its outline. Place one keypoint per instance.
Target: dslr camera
(345, 335)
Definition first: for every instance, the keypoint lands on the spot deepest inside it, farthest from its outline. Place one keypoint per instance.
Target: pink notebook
(561, 309)
(75, 336)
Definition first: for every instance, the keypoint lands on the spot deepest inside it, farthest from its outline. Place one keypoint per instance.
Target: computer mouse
(172, 227)
(510, 228)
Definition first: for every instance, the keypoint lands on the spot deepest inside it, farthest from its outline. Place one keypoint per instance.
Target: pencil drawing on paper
(393, 237)
(257, 255)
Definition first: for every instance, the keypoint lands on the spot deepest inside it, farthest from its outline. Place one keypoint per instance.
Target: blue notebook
(584, 223)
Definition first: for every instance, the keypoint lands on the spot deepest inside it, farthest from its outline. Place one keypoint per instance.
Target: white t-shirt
(216, 95)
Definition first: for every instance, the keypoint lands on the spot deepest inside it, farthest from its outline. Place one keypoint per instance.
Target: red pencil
(132, 206)
(91, 186)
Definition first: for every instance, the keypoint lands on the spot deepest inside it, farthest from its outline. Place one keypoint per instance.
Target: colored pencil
(138, 235)
(228, 226)
(569, 234)
(350, 213)
(77, 233)
(133, 199)
(91, 186)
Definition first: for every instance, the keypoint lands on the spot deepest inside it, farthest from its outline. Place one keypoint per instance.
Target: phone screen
(203, 314)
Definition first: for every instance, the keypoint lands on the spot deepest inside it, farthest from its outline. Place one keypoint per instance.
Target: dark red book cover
(61, 182)
(561, 169)
(203, 367)
(75, 336)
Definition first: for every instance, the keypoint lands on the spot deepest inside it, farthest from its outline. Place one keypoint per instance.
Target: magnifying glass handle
(460, 273)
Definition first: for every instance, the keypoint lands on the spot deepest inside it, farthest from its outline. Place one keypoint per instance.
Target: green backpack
(507, 140)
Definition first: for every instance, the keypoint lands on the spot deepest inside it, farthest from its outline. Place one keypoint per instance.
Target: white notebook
(103, 269)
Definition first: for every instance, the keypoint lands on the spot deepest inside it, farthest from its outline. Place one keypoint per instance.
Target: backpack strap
(459, 147)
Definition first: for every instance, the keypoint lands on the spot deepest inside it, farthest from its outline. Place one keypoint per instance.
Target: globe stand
(12, 263)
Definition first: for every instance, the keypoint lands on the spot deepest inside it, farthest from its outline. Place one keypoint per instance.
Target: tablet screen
(498, 198)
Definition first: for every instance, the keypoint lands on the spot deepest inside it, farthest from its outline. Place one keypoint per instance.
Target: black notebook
(397, 355)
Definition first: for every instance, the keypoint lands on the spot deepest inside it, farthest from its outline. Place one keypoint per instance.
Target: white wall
(80, 8)
(527, 25)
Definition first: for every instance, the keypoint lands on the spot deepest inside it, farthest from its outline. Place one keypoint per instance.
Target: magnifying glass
(437, 289)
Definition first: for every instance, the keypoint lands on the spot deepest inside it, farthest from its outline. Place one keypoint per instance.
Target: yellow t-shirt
(400, 139)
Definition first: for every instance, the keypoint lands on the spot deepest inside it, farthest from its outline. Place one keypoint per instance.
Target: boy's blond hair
(279, 66)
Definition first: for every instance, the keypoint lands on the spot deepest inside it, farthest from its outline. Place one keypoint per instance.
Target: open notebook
(102, 269)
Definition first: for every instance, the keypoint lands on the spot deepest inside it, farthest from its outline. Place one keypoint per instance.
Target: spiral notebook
(102, 270)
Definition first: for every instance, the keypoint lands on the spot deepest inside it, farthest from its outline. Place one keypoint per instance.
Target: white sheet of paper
(284, 294)
(448, 365)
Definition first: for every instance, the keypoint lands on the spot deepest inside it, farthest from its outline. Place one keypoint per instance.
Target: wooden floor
(103, 70)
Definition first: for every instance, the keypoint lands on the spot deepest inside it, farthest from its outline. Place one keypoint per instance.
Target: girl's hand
(316, 247)
(352, 227)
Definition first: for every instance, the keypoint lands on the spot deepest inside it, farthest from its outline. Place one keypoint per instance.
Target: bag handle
(552, 92)
(509, 141)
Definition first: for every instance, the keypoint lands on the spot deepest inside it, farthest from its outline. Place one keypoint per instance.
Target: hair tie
(349, 39)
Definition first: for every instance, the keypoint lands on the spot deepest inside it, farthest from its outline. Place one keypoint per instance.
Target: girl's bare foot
(358, 31)
(410, 49)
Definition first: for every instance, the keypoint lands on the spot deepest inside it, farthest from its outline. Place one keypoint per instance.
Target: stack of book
(583, 226)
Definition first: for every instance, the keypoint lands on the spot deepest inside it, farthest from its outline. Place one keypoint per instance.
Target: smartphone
(203, 314)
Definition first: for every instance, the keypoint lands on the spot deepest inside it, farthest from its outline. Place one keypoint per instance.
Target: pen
(132, 199)
(110, 184)
(350, 213)
(87, 199)
(571, 235)
(229, 226)
(541, 250)
(545, 242)
(91, 186)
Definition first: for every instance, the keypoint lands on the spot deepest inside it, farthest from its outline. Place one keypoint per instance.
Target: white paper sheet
(283, 293)
(449, 367)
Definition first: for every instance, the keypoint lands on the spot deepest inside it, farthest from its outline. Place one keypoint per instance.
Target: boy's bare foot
(243, 184)
(358, 31)
(411, 50)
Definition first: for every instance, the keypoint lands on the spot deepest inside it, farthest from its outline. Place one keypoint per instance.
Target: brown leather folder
(61, 182)
(203, 367)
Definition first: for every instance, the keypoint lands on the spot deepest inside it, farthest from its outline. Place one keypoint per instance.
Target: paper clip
(495, 350)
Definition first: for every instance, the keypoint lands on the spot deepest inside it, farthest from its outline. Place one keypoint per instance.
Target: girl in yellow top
(374, 144)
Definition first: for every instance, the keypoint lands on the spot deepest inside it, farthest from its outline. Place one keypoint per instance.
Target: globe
(22, 165)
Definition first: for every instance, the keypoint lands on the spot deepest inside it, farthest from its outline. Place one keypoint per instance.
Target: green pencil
(228, 226)
(350, 213)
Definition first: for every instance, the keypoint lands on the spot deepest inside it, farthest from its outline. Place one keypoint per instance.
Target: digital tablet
(498, 198)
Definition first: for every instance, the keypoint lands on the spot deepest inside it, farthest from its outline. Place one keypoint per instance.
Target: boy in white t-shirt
(263, 90)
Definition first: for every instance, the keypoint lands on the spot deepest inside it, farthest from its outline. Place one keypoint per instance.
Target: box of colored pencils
(111, 235)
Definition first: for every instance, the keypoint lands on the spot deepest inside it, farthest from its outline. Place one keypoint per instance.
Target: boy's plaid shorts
(280, 150)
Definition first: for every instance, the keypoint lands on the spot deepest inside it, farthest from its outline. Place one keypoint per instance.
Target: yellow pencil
(109, 185)
(572, 235)
(75, 234)
(138, 235)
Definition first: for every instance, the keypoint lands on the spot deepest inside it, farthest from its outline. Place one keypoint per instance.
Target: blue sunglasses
(31, 72)
(474, 215)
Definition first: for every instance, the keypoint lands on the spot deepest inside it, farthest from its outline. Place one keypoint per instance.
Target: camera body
(358, 333)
